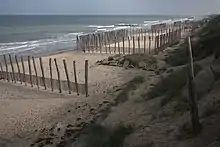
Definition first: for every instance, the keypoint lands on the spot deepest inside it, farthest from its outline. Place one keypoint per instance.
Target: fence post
(24, 77)
(6, 68)
(119, 50)
(58, 75)
(144, 44)
(86, 78)
(123, 39)
(77, 43)
(139, 47)
(42, 71)
(192, 93)
(149, 44)
(30, 74)
(51, 74)
(133, 45)
(2, 75)
(67, 75)
(115, 45)
(75, 77)
(35, 70)
(12, 69)
(18, 67)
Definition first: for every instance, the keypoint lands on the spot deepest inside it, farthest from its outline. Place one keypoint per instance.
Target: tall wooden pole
(192, 93)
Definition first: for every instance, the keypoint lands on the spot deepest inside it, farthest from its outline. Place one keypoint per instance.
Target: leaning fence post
(86, 78)
(24, 76)
(35, 69)
(2, 72)
(75, 77)
(30, 74)
(12, 69)
(192, 93)
(42, 71)
(51, 74)
(6, 68)
(67, 75)
(58, 75)
(18, 67)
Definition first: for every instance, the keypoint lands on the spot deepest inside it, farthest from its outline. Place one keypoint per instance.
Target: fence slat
(123, 45)
(12, 69)
(67, 75)
(24, 77)
(2, 75)
(58, 75)
(149, 44)
(18, 67)
(139, 47)
(129, 45)
(144, 44)
(86, 78)
(42, 71)
(51, 74)
(30, 74)
(6, 68)
(75, 77)
(35, 70)
(133, 45)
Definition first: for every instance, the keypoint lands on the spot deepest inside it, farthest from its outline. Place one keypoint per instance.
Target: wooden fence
(132, 40)
(24, 70)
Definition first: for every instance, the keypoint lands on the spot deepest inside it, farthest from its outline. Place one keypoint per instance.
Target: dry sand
(24, 110)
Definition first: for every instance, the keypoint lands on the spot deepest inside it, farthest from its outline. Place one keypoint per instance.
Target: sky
(174, 7)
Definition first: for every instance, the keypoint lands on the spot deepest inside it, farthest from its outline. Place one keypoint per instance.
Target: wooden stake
(30, 74)
(51, 74)
(149, 44)
(6, 68)
(75, 77)
(133, 45)
(115, 45)
(86, 78)
(58, 75)
(139, 47)
(12, 69)
(192, 93)
(67, 75)
(24, 76)
(42, 71)
(123, 39)
(2, 75)
(129, 45)
(35, 69)
(144, 44)
(119, 50)
(18, 67)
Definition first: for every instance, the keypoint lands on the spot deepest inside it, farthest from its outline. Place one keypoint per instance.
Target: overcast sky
(109, 6)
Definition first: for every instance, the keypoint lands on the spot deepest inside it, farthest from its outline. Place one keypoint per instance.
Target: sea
(45, 34)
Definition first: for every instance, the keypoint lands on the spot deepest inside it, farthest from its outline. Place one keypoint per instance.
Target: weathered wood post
(192, 93)
(67, 76)
(115, 45)
(6, 68)
(123, 45)
(12, 69)
(35, 70)
(129, 45)
(30, 74)
(86, 78)
(133, 45)
(42, 71)
(58, 75)
(75, 77)
(149, 44)
(51, 74)
(2, 72)
(77, 43)
(23, 68)
(18, 67)
(144, 44)
(139, 46)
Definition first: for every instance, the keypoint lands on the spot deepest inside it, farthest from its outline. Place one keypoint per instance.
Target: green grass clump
(100, 136)
(171, 85)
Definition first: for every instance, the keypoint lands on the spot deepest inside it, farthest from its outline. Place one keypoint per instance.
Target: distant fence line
(18, 72)
(132, 40)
